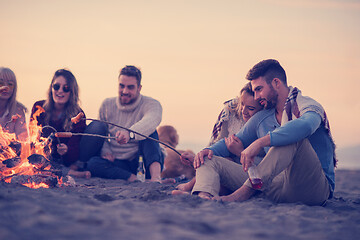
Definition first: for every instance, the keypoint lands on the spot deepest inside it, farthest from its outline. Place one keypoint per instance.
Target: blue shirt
(309, 125)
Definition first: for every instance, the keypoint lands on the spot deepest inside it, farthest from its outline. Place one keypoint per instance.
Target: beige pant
(291, 173)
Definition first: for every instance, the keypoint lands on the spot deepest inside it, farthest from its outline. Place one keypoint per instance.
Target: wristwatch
(132, 135)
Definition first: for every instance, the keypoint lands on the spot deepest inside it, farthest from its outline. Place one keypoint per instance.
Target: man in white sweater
(118, 158)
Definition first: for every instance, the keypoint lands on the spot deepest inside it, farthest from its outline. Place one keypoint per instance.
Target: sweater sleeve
(152, 115)
(296, 129)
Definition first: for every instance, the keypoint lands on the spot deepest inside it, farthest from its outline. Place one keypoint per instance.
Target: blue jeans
(90, 149)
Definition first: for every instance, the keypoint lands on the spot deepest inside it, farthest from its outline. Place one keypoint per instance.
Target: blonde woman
(12, 112)
(235, 114)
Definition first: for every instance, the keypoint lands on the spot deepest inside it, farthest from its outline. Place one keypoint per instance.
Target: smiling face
(129, 90)
(248, 105)
(264, 93)
(6, 88)
(60, 91)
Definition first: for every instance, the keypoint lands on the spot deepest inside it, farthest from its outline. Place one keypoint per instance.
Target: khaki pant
(291, 173)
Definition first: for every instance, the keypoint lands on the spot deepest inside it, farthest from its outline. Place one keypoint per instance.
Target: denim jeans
(90, 149)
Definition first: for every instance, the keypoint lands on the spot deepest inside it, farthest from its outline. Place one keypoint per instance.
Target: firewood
(12, 162)
(36, 179)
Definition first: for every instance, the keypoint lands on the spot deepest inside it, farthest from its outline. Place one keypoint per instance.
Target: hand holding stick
(80, 116)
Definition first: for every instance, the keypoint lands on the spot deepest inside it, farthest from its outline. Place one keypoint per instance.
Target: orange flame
(35, 144)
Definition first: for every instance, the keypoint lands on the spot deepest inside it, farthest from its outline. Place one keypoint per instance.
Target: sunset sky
(194, 54)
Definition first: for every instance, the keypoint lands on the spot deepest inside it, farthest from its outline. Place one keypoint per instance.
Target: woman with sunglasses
(12, 113)
(61, 105)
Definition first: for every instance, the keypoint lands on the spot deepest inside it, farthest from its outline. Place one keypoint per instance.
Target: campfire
(27, 162)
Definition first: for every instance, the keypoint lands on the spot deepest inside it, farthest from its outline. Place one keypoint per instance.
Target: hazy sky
(194, 55)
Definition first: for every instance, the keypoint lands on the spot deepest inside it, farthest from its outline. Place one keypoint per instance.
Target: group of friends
(270, 125)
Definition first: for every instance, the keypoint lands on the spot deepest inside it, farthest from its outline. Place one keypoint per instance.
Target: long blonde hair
(247, 89)
(8, 75)
(72, 107)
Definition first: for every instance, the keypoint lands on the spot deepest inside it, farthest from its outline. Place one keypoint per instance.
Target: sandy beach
(114, 209)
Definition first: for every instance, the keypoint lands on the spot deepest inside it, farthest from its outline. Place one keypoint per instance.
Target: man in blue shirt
(294, 132)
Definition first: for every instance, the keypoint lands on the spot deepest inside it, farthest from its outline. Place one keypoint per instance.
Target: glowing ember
(14, 162)
(36, 186)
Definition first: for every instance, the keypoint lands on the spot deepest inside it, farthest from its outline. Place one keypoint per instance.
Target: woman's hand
(62, 149)
(199, 157)
(234, 145)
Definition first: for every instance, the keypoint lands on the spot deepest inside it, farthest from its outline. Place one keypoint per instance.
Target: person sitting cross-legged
(118, 158)
(295, 134)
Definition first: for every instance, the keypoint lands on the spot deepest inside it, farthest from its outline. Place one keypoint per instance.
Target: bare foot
(132, 178)
(155, 179)
(240, 195)
(168, 181)
(85, 174)
(179, 192)
(205, 195)
(187, 186)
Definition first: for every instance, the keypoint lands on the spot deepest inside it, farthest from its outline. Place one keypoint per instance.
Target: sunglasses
(65, 88)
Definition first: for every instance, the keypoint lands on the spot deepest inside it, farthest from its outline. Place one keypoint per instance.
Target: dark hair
(131, 71)
(72, 107)
(269, 69)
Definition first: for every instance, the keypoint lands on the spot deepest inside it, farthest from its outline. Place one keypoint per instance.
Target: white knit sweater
(143, 116)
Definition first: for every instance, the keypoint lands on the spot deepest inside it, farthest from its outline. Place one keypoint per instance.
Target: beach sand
(113, 209)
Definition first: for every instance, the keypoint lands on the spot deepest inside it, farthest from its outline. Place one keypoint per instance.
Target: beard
(128, 100)
(271, 99)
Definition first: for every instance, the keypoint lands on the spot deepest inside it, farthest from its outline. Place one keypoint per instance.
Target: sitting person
(12, 113)
(118, 158)
(295, 134)
(173, 166)
(54, 115)
(234, 115)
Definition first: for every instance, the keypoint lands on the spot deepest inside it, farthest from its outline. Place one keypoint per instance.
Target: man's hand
(122, 136)
(199, 157)
(62, 149)
(187, 158)
(234, 145)
(248, 155)
(108, 156)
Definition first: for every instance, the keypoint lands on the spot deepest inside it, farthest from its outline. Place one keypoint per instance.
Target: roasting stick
(52, 134)
(70, 134)
(80, 116)
(13, 119)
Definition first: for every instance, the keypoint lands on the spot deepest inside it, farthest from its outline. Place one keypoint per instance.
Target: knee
(213, 162)
(94, 163)
(96, 127)
(154, 135)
